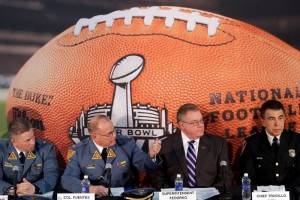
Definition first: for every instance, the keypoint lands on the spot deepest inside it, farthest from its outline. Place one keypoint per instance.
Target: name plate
(270, 195)
(84, 196)
(177, 195)
(3, 197)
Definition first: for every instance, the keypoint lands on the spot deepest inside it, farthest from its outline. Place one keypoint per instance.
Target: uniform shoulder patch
(70, 154)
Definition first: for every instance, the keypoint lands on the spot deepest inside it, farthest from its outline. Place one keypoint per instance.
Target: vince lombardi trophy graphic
(123, 72)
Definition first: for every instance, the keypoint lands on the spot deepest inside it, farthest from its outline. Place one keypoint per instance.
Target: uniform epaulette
(251, 134)
(81, 143)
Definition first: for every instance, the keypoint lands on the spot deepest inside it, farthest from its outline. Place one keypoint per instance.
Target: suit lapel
(202, 154)
(177, 145)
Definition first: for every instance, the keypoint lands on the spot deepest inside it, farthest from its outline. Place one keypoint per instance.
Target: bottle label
(246, 187)
(85, 189)
(178, 187)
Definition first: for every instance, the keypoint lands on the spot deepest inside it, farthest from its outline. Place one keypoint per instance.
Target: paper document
(270, 188)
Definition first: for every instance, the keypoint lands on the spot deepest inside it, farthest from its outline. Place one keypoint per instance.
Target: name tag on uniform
(62, 196)
(270, 195)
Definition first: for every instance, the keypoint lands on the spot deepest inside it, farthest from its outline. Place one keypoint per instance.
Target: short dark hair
(184, 109)
(93, 123)
(19, 126)
(271, 104)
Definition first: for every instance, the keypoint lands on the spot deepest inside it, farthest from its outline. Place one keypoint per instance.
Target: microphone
(108, 167)
(225, 194)
(223, 165)
(16, 172)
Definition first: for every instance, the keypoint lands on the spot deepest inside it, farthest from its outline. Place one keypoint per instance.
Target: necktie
(22, 158)
(104, 154)
(275, 146)
(191, 164)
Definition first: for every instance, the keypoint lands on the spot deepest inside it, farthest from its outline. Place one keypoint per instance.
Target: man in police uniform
(272, 157)
(35, 159)
(89, 157)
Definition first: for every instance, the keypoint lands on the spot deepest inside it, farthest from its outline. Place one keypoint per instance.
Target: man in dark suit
(272, 157)
(35, 160)
(191, 153)
(90, 156)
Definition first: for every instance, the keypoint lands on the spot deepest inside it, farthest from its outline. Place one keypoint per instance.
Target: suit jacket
(85, 159)
(212, 150)
(259, 161)
(40, 167)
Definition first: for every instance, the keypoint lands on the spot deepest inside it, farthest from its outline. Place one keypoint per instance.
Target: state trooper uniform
(40, 167)
(264, 167)
(85, 159)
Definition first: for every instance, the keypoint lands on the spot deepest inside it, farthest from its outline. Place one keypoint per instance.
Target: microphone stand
(225, 194)
(15, 188)
(108, 186)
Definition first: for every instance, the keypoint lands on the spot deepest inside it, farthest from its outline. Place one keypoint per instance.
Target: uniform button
(258, 165)
(276, 164)
(277, 175)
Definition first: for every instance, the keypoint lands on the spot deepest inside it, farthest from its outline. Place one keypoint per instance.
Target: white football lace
(149, 14)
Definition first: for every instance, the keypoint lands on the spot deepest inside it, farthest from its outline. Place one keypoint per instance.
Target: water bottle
(246, 187)
(178, 183)
(85, 184)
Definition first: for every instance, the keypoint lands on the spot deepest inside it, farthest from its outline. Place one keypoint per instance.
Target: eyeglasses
(110, 134)
(196, 122)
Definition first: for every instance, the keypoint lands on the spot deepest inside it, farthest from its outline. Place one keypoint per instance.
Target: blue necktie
(191, 164)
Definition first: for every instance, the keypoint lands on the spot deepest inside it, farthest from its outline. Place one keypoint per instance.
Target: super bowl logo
(143, 122)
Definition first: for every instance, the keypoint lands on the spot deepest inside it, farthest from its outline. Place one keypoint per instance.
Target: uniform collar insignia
(292, 153)
(30, 155)
(111, 154)
(96, 156)
(12, 156)
(70, 154)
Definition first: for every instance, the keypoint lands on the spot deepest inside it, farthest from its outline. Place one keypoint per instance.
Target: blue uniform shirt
(85, 159)
(40, 167)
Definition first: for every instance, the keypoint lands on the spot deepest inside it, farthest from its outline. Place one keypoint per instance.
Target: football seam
(152, 34)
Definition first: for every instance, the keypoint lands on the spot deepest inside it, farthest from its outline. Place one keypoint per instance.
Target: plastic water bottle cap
(178, 175)
(246, 174)
(85, 177)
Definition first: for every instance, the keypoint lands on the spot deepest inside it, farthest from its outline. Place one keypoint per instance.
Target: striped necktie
(191, 164)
